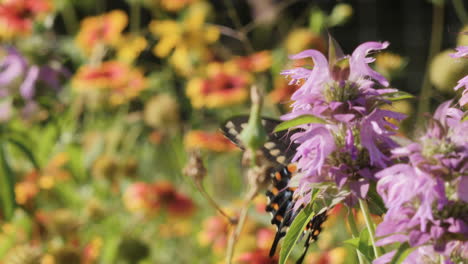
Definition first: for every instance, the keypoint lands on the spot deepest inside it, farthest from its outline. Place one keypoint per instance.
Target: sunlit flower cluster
(185, 41)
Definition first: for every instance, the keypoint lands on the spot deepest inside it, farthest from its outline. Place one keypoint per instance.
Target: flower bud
(445, 71)
(340, 14)
(161, 111)
(132, 250)
(195, 168)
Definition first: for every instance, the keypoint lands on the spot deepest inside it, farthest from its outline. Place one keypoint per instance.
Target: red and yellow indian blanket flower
(118, 80)
(214, 141)
(105, 29)
(223, 85)
(18, 16)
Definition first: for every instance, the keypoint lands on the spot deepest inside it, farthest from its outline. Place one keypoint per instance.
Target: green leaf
(376, 204)
(397, 96)
(365, 246)
(403, 251)
(295, 231)
(298, 225)
(300, 120)
(25, 151)
(7, 186)
(465, 118)
(353, 242)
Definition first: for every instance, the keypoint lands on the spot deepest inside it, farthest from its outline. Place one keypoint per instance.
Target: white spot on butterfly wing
(281, 159)
(275, 152)
(230, 125)
(233, 131)
(269, 145)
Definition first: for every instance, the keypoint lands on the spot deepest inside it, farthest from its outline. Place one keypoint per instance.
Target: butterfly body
(279, 149)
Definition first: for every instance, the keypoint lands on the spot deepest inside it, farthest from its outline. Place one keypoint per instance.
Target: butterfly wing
(279, 149)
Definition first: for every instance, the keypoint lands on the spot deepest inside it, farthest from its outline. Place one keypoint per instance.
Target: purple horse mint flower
(15, 73)
(355, 141)
(12, 66)
(462, 52)
(426, 196)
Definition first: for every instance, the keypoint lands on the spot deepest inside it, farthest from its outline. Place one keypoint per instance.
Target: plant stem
(460, 11)
(214, 204)
(370, 226)
(240, 224)
(434, 48)
(69, 18)
(238, 25)
(135, 10)
(355, 233)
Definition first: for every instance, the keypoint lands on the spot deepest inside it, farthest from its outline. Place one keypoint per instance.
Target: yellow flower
(172, 5)
(129, 48)
(302, 38)
(223, 85)
(117, 81)
(389, 64)
(186, 39)
(105, 29)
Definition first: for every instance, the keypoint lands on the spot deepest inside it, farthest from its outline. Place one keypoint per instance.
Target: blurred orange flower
(333, 256)
(117, 80)
(257, 62)
(92, 251)
(151, 198)
(18, 16)
(223, 85)
(140, 197)
(258, 256)
(26, 190)
(177, 204)
(282, 91)
(214, 141)
(105, 29)
(45, 179)
(188, 38)
(215, 232)
(265, 237)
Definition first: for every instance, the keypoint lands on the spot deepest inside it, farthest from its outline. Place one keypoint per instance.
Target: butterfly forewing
(278, 148)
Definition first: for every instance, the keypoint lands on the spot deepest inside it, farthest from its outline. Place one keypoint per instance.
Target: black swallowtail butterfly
(279, 149)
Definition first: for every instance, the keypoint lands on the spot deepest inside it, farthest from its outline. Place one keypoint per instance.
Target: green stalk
(370, 226)
(355, 233)
(135, 17)
(460, 11)
(69, 18)
(435, 45)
